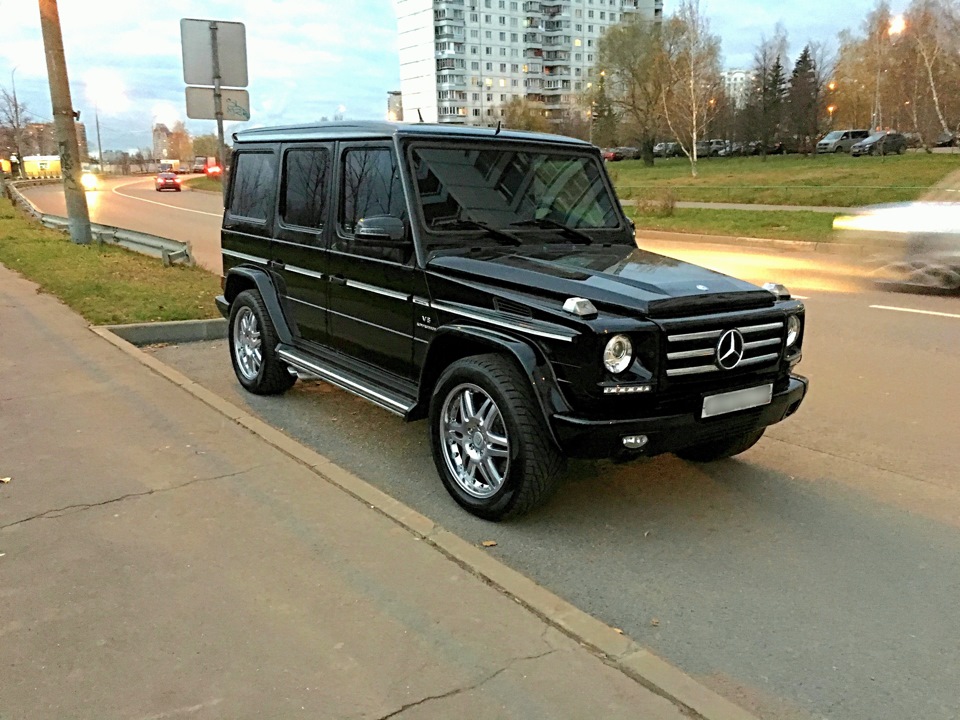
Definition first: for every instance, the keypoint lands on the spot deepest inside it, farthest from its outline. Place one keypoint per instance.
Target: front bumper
(586, 438)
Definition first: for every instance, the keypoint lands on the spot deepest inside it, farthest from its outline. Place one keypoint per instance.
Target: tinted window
(306, 176)
(253, 177)
(371, 186)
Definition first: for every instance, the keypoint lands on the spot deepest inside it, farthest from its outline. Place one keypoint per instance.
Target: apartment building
(461, 61)
(737, 84)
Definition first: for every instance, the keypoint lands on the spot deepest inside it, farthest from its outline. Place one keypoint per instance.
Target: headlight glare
(618, 354)
(793, 330)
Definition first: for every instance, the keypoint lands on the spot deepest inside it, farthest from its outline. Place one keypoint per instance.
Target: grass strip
(792, 225)
(104, 283)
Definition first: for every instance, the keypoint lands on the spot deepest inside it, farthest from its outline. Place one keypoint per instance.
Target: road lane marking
(154, 202)
(918, 312)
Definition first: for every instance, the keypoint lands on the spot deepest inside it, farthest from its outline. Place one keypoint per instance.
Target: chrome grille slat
(699, 370)
(761, 343)
(695, 336)
(689, 354)
(747, 329)
(706, 352)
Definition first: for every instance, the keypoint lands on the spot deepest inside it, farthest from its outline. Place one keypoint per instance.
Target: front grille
(695, 353)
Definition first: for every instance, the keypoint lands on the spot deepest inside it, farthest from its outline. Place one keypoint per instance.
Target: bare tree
(13, 114)
(925, 21)
(631, 55)
(521, 114)
(691, 76)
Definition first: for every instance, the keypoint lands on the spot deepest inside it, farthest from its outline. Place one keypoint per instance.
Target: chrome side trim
(378, 290)
(354, 318)
(304, 302)
(761, 328)
(346, 383)
(706, 352)
(417, 300)
(304, 271)
(518, 327)
(706, 335)
(244, 256)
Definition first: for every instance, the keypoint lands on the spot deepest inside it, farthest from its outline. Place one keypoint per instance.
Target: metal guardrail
(167, 250)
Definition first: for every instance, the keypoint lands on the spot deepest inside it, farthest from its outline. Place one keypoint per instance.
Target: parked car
(667, 150)
(491, 284)
(734, 149)
(772, 148)
(612, 154)
(881, 143)
(946, 139)
(840, 141)
(167, 181)
(628, 153)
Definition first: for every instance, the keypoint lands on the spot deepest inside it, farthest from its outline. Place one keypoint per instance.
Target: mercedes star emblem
(730, 350)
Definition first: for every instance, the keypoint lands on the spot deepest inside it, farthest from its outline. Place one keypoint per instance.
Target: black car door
(371, 284)
(299, 251)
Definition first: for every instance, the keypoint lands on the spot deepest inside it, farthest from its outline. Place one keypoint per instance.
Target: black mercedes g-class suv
(490, 282)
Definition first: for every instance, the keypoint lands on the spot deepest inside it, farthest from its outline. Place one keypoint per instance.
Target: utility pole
(63, 117)
(96, 113)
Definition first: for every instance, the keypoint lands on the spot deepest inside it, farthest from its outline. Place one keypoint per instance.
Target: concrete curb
(182, 331)
(614, 648)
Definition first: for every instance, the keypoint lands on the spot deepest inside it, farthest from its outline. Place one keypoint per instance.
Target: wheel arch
(455, 342)
(243, 278)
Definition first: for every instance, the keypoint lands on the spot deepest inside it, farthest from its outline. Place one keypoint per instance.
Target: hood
(617, 278)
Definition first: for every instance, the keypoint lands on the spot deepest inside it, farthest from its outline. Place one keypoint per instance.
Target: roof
(377, 129)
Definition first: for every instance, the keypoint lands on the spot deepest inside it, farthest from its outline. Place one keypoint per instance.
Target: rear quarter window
(254, 186)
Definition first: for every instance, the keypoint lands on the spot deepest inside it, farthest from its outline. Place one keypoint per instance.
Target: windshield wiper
(548, 223)
(506, 238)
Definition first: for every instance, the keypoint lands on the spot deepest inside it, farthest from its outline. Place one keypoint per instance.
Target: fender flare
(463, 339)
(241, 278)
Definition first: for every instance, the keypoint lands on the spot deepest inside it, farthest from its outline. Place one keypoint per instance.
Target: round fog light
(634, 442)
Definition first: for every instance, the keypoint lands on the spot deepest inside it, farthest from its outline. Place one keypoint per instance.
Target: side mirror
(380, 229)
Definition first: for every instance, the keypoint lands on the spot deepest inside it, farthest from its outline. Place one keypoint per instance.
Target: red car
(213, 171)
(167, 181)
(612, 154)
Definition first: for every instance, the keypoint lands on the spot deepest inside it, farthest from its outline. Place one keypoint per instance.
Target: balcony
(552, 10)
(534, 7)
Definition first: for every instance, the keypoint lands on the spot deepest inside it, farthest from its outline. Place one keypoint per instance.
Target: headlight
(89, 181)
(793, 330)
(618, 354)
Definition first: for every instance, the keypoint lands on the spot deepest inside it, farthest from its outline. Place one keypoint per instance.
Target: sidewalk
(159, 560)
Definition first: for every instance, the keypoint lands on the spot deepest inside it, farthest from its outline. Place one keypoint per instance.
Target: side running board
(345, 380)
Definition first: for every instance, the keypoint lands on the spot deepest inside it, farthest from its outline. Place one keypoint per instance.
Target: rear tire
(253, 347)
(490, 440)
(720, 449)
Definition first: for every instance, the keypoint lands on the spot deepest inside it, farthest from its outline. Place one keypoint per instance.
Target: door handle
(338, 280)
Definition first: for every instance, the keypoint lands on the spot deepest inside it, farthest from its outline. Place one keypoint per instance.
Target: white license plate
(723, 403)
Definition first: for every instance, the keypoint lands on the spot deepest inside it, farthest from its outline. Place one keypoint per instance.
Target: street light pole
(96, 114)
(63, 117)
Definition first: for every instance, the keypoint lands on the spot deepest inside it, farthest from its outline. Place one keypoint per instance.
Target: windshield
(499, 188)
(875, 137)
(835, 135)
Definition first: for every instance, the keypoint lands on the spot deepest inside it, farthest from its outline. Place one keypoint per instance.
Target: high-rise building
(737, 85)
(41, 139)
(461, 61)
(161, 142)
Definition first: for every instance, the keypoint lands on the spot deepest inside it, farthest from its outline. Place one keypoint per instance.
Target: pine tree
(803, 101)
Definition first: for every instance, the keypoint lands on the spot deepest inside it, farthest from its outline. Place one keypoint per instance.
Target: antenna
(497, 131)
(419, 114)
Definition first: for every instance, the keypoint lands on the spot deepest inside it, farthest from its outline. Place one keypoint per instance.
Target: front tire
(253, 347)
(490, 441)
(722, 448)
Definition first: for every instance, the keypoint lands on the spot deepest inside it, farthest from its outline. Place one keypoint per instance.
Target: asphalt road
(816, 576)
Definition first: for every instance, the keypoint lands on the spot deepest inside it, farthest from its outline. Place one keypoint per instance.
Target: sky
(306, 58)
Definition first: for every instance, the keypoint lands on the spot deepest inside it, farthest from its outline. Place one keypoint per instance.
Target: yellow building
(41, 166)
